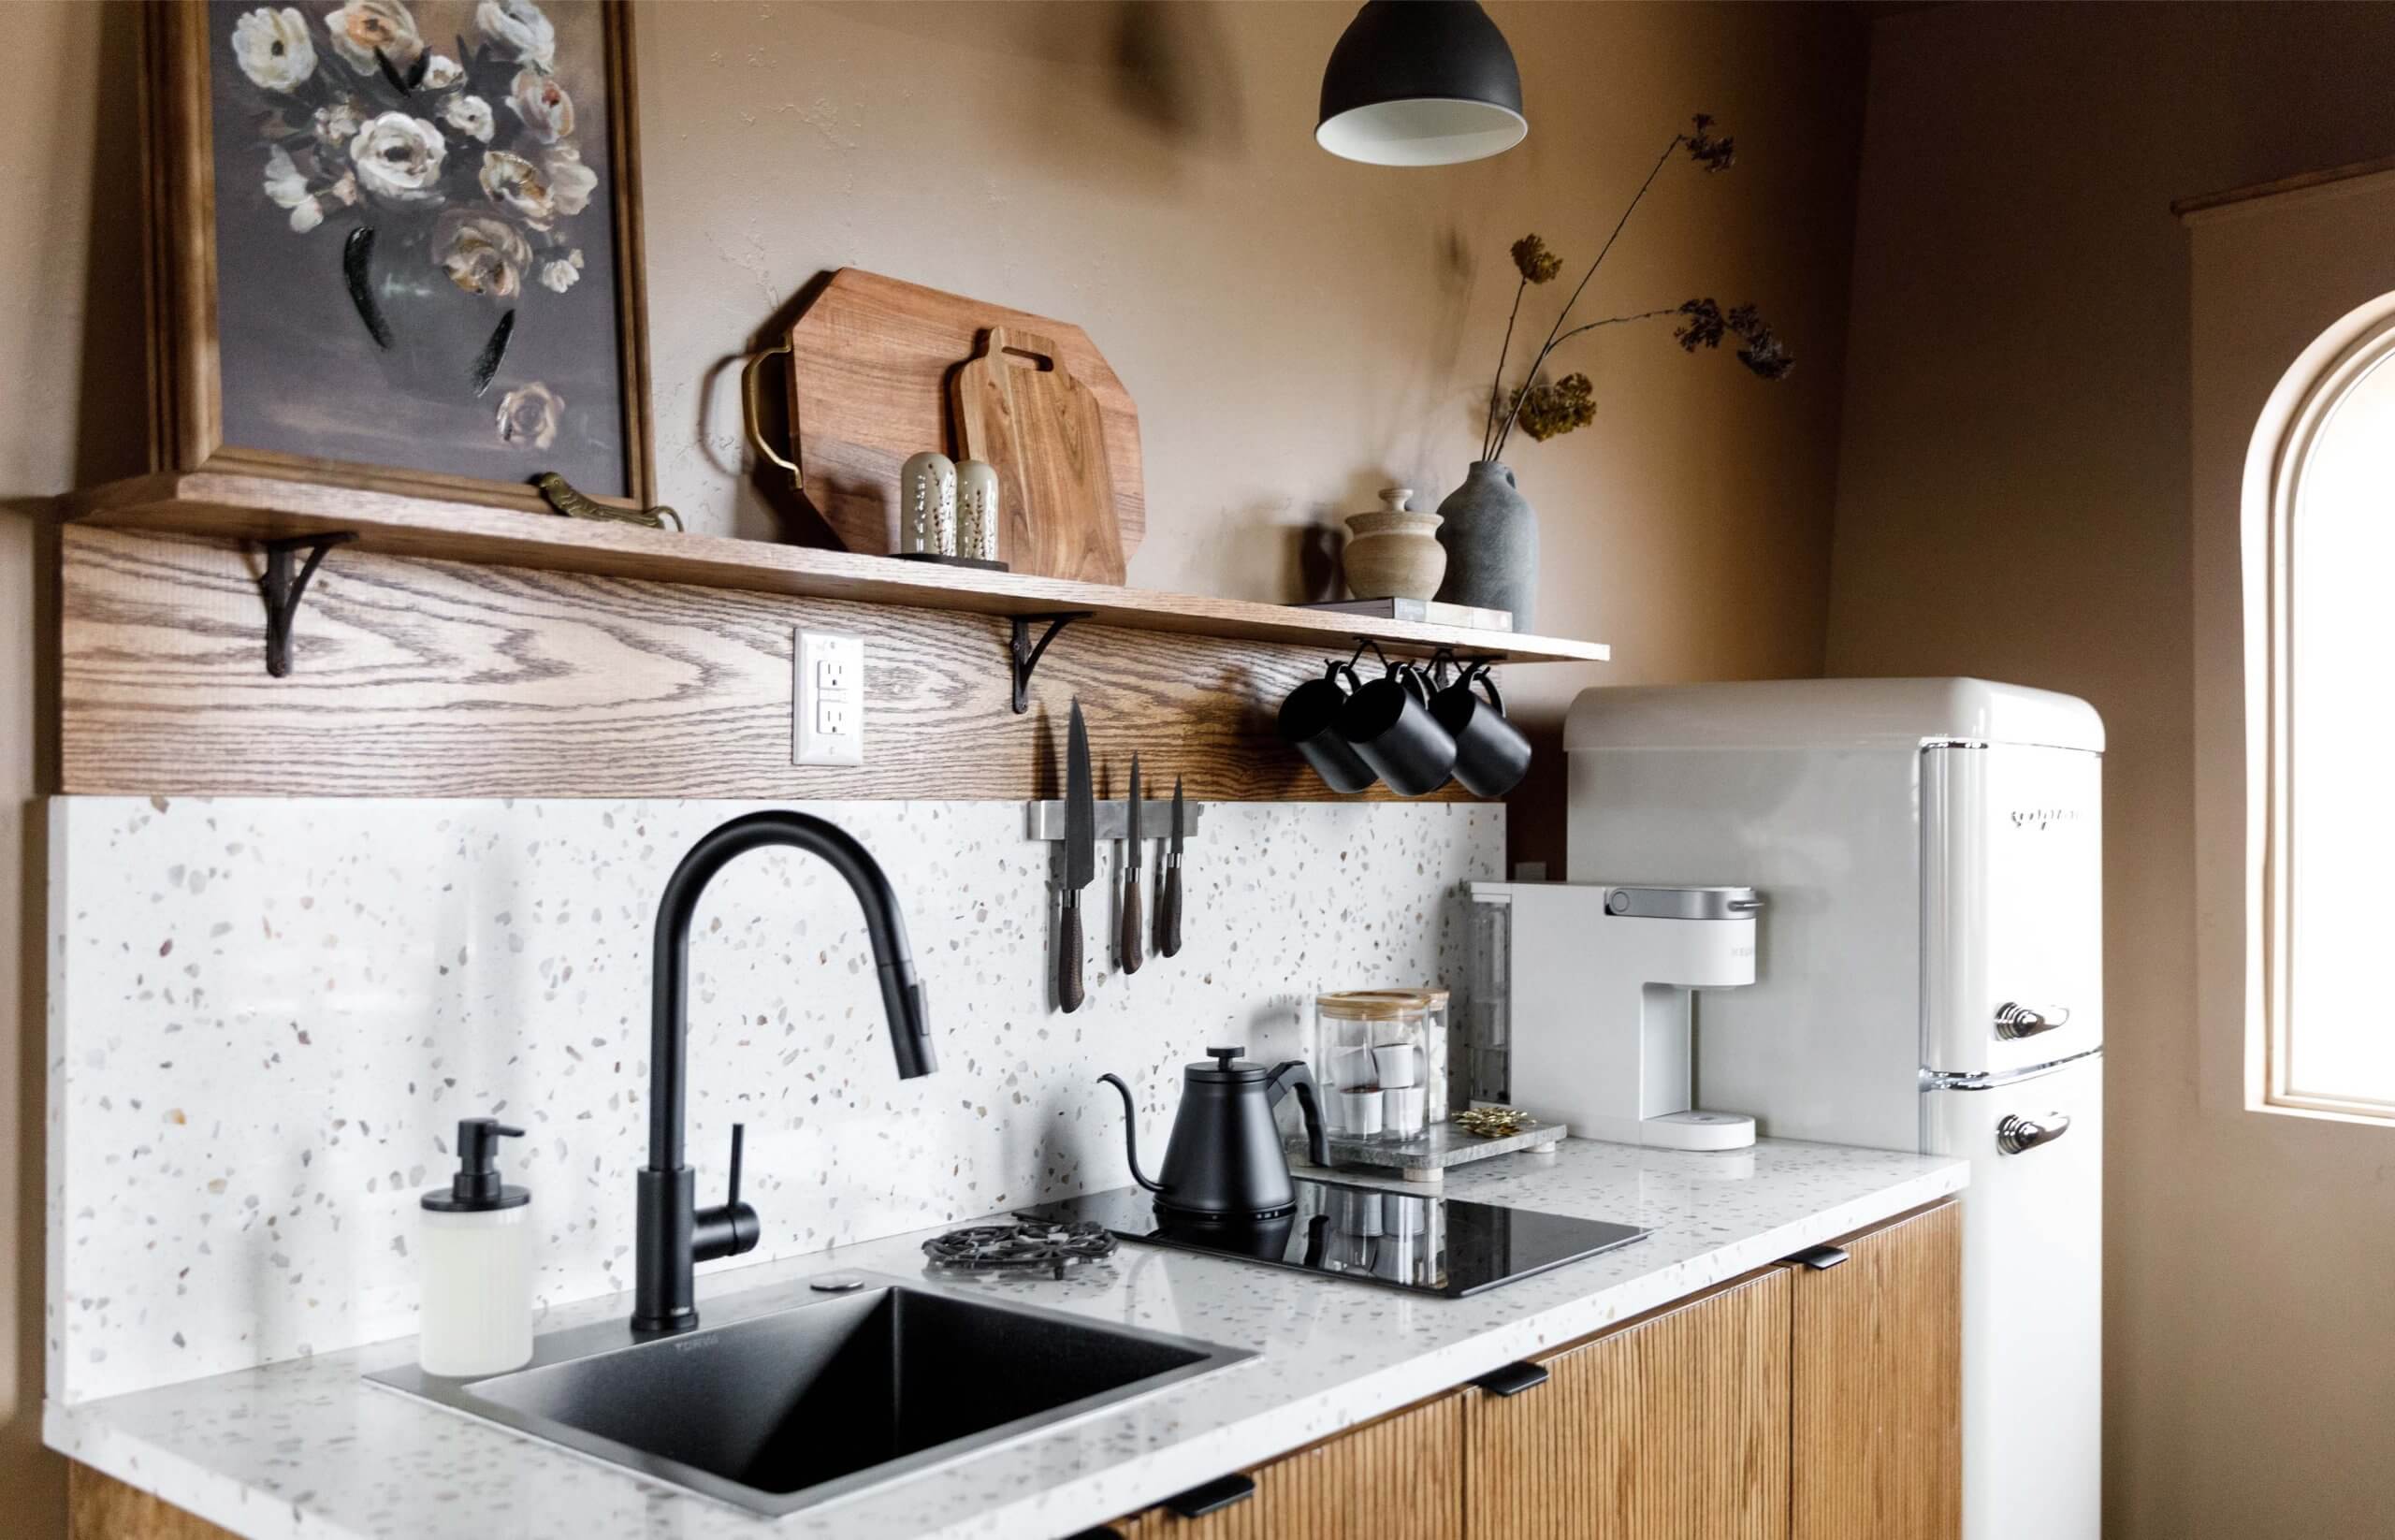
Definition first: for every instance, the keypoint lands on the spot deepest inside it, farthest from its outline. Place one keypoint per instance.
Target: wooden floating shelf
(240, 507)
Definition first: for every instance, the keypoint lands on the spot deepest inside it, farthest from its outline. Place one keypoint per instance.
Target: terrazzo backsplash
(268, 1015)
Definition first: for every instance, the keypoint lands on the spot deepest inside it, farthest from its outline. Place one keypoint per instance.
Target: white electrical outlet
(827, 719)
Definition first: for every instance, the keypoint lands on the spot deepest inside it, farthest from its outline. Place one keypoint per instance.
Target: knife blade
(1130, 935)
(1080, 860)
(1169, 899)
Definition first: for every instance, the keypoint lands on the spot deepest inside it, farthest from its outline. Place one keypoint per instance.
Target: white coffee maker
(1603, 1008)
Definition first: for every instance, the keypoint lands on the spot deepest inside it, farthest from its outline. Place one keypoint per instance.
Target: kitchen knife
(1168, 897)
(1080, 861)
(1129, 939)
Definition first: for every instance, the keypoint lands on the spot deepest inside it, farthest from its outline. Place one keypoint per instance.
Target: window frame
(2326, 390)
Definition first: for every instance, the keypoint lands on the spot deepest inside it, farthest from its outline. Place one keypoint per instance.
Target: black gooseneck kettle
(1224, 1161)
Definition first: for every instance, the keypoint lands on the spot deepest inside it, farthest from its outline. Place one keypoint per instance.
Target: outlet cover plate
(827, 719)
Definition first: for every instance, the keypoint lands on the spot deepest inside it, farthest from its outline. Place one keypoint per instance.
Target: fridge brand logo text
(2043, 818)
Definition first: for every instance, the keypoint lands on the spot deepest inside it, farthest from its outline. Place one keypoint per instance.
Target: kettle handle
(1131, 1133)
(1294, 1075)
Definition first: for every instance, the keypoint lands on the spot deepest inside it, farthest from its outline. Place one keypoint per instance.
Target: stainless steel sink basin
(784, 1398)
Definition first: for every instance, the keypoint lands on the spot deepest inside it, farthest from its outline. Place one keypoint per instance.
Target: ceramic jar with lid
(1394, 552)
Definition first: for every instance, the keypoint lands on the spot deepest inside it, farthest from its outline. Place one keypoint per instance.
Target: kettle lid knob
(1225, 1056)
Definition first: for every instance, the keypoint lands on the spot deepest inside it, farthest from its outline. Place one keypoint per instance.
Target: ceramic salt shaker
(927, 505)
(977, 510)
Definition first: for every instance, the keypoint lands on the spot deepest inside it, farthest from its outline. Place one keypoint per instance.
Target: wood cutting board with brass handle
(1018, 406)
(868, 370)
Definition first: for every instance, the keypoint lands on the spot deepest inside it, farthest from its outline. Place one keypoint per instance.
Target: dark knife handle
(1068, 952)
(1168, 909)
(1130, 940)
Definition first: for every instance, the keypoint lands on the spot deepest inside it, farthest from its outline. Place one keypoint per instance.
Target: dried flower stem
(1497, 386)
(1548, 346)
(1615, 321)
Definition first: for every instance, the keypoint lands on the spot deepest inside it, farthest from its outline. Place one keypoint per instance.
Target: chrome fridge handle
(2017, 1133)
(2014, 1021)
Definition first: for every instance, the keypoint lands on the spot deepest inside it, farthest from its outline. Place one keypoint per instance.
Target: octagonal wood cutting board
(871, 363)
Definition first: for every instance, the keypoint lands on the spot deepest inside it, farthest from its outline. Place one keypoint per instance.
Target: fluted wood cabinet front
(1675, 1427)
(1400, 1479)
(1879, 1386)
(101, 1507)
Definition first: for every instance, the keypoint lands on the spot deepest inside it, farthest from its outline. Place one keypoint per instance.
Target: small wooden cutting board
(1019, 407)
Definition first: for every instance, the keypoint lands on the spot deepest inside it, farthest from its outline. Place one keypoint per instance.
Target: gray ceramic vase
(1491, 536)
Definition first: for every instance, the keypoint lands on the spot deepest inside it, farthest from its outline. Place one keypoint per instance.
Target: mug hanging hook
(1358, 656)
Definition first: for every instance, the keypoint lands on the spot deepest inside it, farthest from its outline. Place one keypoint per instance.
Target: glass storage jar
(1372, 1058)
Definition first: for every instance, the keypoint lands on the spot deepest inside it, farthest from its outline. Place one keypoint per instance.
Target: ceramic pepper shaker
(977, 510)
(927, 505)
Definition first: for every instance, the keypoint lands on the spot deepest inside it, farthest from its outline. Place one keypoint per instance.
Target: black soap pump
(477, 1260)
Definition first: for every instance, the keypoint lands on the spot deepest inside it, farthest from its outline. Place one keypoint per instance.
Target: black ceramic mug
(1309, 720)
(1491, 754)
(1390, 723)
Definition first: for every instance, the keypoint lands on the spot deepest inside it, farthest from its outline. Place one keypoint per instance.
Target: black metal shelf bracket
(1025, 652)
(282, 592)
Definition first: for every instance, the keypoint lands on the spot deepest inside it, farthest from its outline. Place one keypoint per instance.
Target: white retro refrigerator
(1929, 977)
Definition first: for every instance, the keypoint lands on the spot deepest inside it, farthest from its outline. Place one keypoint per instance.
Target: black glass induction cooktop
(1428, 1246)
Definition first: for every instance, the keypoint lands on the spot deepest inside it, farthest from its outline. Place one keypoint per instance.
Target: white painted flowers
(361, 29)
(481, 253)
(520, 187)
(337, 125)
(563, 274)
(570, 182)
(519, 26)
(399, 158)
(469, 115)
(529, 415)
(273, 48)
(546, 110)
(467, 161)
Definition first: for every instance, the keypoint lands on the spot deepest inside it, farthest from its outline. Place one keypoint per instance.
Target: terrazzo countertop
(307, 1450)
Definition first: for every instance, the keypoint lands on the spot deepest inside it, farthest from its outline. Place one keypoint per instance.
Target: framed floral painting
(395, 245)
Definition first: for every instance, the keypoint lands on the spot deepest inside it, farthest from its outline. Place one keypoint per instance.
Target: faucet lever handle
(732, 1227)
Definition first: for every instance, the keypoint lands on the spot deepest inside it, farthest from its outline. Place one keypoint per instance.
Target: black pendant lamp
(1420, 83)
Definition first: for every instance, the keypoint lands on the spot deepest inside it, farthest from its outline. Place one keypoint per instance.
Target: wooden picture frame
(186, 349)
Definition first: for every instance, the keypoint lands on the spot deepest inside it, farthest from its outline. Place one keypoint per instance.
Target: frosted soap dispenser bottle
(477, 1256)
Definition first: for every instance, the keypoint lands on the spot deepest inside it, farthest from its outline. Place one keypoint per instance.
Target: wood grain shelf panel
(242, 507)
(415, 678)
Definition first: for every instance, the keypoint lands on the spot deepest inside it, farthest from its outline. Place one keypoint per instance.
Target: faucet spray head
(911, 1017)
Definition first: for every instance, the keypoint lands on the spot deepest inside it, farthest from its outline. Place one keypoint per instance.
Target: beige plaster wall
(2013, 502)
(1298, 331)
(70, 409)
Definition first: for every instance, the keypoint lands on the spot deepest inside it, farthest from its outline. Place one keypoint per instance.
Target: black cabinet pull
(1214, 1496)
(1102, 1532)
(1513, 1379)
(1820, 1258)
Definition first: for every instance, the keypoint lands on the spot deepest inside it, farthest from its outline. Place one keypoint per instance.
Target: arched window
(2328, 855)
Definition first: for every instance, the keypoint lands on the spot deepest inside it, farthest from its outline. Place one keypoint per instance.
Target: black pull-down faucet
(674, 1232)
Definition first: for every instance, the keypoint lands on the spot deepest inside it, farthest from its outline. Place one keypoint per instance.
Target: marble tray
(1425, 1156)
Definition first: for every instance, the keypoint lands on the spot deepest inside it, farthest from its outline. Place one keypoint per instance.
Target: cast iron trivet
(1020, 1248)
